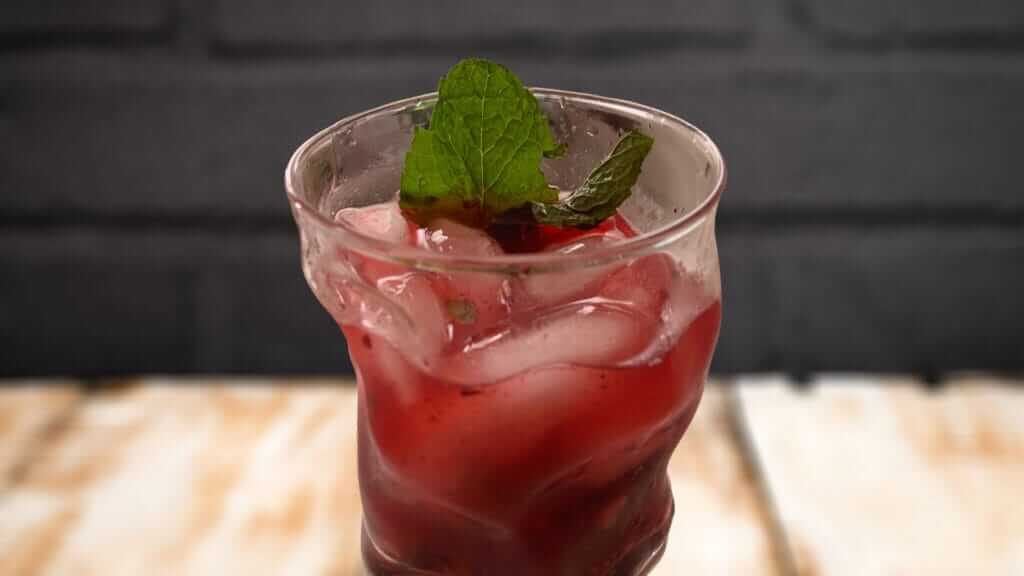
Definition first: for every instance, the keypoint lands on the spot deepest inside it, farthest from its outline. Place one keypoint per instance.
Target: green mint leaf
(556, 152)
(462, 311)
(605, 189)
(481, 155)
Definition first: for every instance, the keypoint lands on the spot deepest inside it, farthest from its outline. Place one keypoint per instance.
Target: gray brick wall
(874, 221)
(442, 24)
(916, 19)
(27, 17)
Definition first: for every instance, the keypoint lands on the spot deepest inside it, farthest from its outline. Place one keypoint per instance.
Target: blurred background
(874, 219)
(874, 222)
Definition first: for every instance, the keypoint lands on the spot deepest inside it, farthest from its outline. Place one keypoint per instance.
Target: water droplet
(592, 131)
(345, 137)
(562, 102)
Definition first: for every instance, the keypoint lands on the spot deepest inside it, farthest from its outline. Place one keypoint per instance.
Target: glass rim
(418, 257)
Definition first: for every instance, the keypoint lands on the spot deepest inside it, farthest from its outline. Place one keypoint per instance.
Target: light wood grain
(211, 479)
(259, 478)
(720, 526)
(28, 411)
(884, 477)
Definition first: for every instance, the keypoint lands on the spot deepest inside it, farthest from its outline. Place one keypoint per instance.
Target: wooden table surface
(849, 476)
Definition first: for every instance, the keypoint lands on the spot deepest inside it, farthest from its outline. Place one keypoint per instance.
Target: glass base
(637, 561)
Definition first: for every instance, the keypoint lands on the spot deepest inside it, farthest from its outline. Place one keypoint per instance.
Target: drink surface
(520, 424)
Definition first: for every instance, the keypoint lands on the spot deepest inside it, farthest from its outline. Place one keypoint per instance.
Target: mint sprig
(481, 156)
(607, 186)
(482, 152)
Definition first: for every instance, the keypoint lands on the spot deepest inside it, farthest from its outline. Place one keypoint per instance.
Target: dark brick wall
(874, 221)
(64, 19)
(916, 21)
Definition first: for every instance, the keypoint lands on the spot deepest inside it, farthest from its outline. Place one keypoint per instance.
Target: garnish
(463, 311)
(607, 186)
(481, 157)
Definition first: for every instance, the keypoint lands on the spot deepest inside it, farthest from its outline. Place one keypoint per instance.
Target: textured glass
(517, 411)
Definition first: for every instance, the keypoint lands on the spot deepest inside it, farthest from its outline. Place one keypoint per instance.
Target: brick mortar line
(100, 38)
(994, 42)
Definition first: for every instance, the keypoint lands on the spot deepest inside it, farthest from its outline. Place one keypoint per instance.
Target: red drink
(521, 389)
(454, 484)
(514, 451)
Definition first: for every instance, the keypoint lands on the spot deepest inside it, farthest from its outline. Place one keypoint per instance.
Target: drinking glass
(517, 411)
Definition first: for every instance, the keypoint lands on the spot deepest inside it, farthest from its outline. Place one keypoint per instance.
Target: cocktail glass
(517, 411)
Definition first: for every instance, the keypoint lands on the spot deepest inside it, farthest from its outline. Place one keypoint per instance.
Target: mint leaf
(462, 311)
(607, 186)
(557, 151)
(481, 155)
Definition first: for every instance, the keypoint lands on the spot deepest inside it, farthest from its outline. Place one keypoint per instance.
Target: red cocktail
(521, 388)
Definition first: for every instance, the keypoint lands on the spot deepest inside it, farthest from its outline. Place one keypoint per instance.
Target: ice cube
(585, 334)
(450, 237)
(688, 298)
(557, 287)
(384, 221)
(476, 301)
(644, 284)
(414, 294)
(455, 454)
(656, 287)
